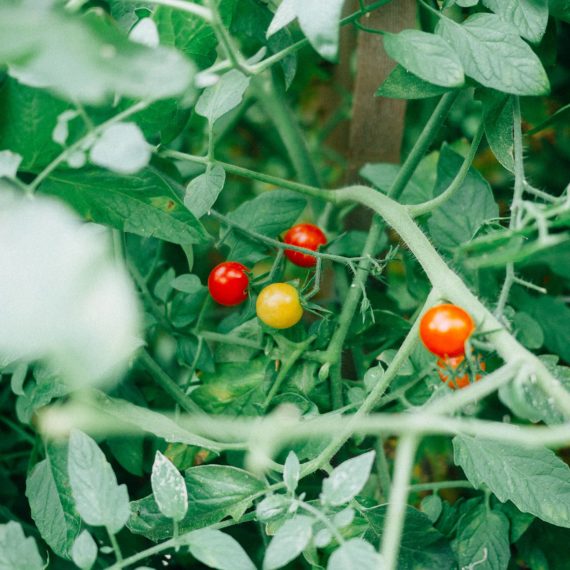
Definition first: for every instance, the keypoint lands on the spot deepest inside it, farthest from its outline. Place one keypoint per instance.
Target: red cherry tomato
(444, 330)
(228, 283)
(304, 235)
(455, 372)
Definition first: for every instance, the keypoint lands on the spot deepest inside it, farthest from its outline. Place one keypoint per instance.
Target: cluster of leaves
(118, 113)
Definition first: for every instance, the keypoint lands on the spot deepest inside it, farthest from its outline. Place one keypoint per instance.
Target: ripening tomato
(279, 306)
(228, 283)
(307, 236)
(454, 371)
(445, 328)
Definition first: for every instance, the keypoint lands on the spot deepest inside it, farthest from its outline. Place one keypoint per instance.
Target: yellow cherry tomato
(278, 306)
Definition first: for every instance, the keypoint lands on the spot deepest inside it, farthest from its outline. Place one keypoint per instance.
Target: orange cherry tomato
(307, 236)
(445, 328)
(455, 372)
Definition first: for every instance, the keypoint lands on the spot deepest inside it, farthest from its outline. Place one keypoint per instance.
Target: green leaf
(499, 130)
(289, 541)
(534, 479)
(27, 119)
(347, 480)
(269, 214)
(84, 551)
(214, 493)
(428, 56)
(230, 387)
(145, 204)
(218, 550)
(121, 148)
(291, 472)
(86, 59)
(486, 38)
(483, 535)
(49, 494)
(286, 12)
(320, 22)
(168, 488)
(16, 551)
(527, 400)
(222, 97)
(203, 191)
(402, 84)
(422, 546)
(432, 506)
(191, 34)
(528, 331)
(148, 421)
(457, 219)
(529, 17)
(355, 554)
(98, 498)
(555, 314)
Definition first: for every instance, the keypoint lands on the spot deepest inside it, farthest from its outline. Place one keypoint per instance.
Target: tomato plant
(387, 386)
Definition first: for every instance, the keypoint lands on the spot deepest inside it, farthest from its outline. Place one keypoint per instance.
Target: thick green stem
(353, 298)
(396, 514)
(283, 372)
(516, 204)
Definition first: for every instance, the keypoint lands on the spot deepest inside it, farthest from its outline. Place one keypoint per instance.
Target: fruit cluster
(444, 330)
(278, 305)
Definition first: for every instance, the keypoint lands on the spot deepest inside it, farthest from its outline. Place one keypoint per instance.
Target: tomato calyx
(307, 236)
(458, 373)
(228, 283)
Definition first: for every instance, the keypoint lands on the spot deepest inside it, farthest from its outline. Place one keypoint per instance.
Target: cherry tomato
(445, 328)
(455, 372)
(228, 283)
(304, 235)
(279, 306)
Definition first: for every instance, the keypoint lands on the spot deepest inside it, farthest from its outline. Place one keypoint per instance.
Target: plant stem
(438, 486)
(168, 385)
(283, 372)
(279, 244)
(229, 339)
(323, 518)
(226, 41)
(278, 112)
(516, 204)
(247, 173)
(115, 545)
(382, 469)
(420, 209)
(396, 514)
